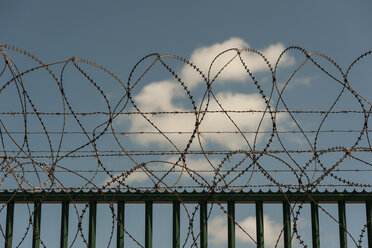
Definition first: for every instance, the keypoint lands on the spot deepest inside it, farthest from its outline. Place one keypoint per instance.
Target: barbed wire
(77, 118)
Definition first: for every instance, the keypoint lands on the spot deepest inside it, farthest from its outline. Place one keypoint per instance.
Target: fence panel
(148, 199)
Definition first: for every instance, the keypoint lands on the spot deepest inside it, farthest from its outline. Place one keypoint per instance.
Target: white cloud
(203, 57)
(217, 230)
(159, 96)
(212, 121)
(163, 95)
(245, 121)
(165, 123)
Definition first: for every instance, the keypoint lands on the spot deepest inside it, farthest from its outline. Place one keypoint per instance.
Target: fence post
(148, 224)
(369, 222)
(315, 224)
(120, 224)
(176, 224)
(9, 224)
(92, 224)
(231, 224)
(287, 224)
(64, 224)
(259, 224)
(342, 224)
(36, 225)
(203, 225)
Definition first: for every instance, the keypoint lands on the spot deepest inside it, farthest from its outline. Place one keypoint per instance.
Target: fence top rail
(186, 197)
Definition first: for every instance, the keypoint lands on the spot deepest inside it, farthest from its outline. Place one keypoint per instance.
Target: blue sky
(117, 34)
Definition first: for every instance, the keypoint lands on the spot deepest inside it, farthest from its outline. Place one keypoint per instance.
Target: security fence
(290, 127)
(176, 199)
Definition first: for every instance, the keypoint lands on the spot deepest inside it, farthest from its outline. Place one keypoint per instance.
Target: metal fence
(177, 199)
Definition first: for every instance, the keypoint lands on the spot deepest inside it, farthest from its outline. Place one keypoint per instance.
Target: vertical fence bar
(92, 224)
(120, 225)
(315, 225)
(64, 224)
(203, 225)
(231, 224)
(176, 224)
(36, 225)
(148, 224)
(287, 224)
(259, 224)
(369, 222)
(9, 224)
(342, 224)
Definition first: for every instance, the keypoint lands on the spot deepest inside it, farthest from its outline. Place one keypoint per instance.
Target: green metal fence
(202, 198)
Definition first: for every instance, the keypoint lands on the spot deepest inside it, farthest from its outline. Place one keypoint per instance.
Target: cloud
(204, 56)
(245, 121)
(217, 231)
(163, 96)
(218, 122)
(159, 96)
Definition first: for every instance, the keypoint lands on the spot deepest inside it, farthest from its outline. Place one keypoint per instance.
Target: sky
(118, 34)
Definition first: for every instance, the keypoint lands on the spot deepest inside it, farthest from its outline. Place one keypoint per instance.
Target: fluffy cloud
(204, 56)
(186, 122)
(159, 96)
(245, 122)
(163, 95)
(217, 230)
